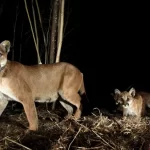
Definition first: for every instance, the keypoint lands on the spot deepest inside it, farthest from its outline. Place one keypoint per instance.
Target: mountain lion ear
(132, 92)
(6, 45)
(117, 92)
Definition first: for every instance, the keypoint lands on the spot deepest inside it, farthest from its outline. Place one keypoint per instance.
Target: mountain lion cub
(40, 83)
(131, 103)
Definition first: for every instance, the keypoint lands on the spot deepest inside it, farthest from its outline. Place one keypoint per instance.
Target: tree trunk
(60, 34)
(60, 30)
(53, 31)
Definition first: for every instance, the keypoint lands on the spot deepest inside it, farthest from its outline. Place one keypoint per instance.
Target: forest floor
(99, 131)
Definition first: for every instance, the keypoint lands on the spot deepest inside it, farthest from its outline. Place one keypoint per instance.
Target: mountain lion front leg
(31, 113)
(25, 97)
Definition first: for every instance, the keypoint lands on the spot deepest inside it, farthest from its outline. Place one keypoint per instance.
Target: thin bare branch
(74, 137)
(13, 42)
(21, 42)
(35, 27)
(8, 139)
(40, 19)
(38, 56)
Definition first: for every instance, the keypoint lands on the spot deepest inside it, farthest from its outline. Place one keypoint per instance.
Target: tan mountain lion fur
(41, 83)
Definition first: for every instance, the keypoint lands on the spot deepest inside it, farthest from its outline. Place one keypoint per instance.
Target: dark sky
(107, 41)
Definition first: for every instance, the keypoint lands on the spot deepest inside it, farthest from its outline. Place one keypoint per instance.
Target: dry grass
(96, 132)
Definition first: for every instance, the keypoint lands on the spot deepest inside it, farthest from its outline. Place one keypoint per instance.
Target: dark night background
(108, 42)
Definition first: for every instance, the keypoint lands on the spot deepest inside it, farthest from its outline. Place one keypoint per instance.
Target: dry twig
(8, 139)
(74, 137)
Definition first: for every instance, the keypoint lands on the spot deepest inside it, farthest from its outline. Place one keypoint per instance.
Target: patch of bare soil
(99, 131)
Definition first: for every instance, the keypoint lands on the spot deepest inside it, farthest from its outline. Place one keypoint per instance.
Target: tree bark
(54, 31)
(60, 34)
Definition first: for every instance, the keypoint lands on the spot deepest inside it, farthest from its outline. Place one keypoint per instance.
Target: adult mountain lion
(41, 83)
